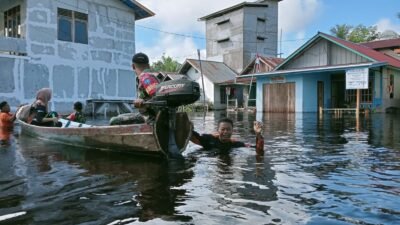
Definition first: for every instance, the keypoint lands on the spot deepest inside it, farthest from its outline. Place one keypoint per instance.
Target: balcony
(12, 46)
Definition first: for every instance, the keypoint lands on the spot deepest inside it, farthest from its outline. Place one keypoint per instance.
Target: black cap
(2, 104)
(140, 58)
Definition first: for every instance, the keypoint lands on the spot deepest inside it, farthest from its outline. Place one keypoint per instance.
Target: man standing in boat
(222, 139)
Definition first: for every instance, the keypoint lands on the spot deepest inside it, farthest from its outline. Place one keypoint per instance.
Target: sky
(176, 32)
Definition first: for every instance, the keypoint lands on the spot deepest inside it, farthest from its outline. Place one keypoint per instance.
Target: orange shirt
(5, 126)
(5, 122)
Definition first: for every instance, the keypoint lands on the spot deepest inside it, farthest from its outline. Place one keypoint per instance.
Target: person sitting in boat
(6, 123)
(146, 89)
(40, 106)
(77, 116)
(222, 140)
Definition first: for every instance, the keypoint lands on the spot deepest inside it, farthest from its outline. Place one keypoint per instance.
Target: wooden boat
(135, 138)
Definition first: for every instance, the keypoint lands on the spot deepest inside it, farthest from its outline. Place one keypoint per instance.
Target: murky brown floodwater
(314, 172)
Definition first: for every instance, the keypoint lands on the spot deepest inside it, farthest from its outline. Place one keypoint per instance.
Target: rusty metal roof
(270, 62)
(366, 51)
(389, 43)
(362, 50)
(217, 72)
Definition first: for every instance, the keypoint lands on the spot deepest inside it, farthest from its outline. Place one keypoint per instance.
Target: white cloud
(169, 45)
(181, 16)
(296, 15)
(178, 16)
(386, 24)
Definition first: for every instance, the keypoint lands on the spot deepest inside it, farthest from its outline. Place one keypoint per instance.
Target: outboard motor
(170, 95)
(175, 93)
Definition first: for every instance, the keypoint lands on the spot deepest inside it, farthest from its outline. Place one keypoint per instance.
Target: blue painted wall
(310, 94)
(306, 90)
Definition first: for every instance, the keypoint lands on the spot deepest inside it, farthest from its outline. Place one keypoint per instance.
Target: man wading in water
(222, 139)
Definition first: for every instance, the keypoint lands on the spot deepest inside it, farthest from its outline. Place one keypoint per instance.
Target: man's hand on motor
(138, 103)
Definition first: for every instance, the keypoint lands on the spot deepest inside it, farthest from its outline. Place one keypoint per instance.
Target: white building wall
(230, 51)
(100, 69)
(209, 86)
(242, 27)
(217, 98)
(388, 102)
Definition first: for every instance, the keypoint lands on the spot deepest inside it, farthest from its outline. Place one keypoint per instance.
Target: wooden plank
(279, 98)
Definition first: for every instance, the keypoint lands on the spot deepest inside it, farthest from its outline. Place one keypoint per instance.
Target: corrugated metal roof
(366, 51)
(239, 80)
(140, 10)
(233, 8)
(359, 49)
(175, 76)
(389, 43)
(217, 72)
(272, 62)
(319, 69)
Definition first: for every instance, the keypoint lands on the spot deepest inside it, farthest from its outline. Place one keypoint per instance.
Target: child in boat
(6, 123)
(77, 116)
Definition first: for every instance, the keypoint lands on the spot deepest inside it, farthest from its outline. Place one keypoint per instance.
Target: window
(12, 22)
(261, 19)
(222, 92)
(223, 40)
(222, 22)
(72, 26)
(391, 86)
(261, 38)
(366, 94)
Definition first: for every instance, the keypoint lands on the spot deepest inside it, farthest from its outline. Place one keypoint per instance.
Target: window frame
(366, 95)
(12, 22)
(391, 86)
(73, 17)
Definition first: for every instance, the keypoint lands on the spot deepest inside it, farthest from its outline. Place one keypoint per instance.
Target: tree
(356, 34)
(166, 64)
(362, 33)
(341, 31)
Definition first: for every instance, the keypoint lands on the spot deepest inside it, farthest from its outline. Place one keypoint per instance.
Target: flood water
(315, 171)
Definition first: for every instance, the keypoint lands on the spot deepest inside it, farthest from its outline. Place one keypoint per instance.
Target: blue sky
(299, 20)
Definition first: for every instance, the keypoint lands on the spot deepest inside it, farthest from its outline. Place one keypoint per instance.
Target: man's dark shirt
(209, 141)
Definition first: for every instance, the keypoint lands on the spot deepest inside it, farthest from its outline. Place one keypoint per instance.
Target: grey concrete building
(79, 48)
(236, 34)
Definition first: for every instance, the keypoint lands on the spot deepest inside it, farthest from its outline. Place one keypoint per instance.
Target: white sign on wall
(357, 78)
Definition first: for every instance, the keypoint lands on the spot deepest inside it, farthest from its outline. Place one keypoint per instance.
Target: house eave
(232, 8)
(319, 69)
(140, 10)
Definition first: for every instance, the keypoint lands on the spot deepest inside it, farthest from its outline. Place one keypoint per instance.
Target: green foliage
(362, 33)
(341, 30)
(356, 34)
(166, 64)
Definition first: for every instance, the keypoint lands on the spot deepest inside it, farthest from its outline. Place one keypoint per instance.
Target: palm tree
(341, 30)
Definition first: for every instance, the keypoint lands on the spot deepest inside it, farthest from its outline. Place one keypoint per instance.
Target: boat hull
(135, 138)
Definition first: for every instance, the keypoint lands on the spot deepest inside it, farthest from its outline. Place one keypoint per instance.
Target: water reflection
(63, 185)
(316, 170)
